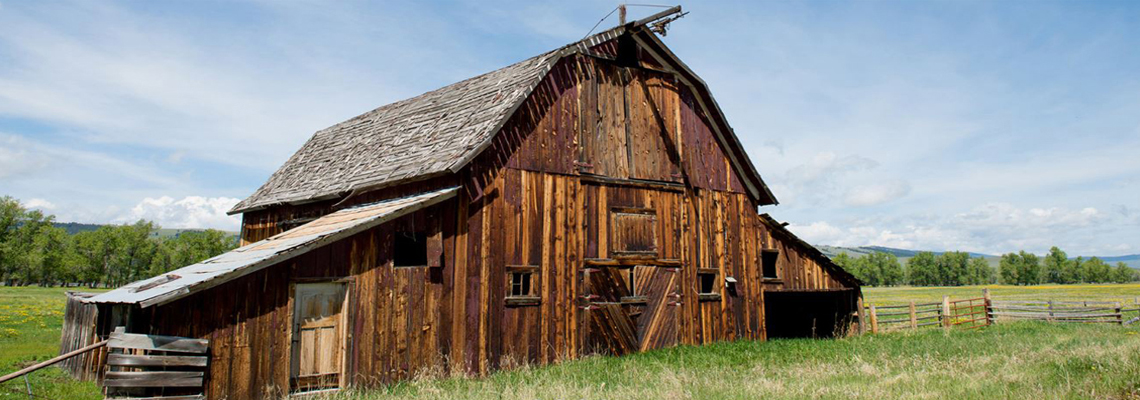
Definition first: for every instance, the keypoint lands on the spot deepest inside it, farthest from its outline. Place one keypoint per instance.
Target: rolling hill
(76, 227)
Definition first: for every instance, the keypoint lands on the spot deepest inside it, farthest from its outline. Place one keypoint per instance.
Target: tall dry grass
(1011, 361)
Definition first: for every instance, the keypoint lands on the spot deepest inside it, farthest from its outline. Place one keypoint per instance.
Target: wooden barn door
(631, 308)
(631, 277)
(318, 345)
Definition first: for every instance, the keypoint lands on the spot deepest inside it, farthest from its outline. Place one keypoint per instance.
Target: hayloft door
(318, 336)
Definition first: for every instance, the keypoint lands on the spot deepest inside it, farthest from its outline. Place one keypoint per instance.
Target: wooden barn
(592, 199)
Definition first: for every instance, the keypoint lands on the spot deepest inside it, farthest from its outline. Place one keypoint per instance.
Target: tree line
(35, 252)
(958, 268)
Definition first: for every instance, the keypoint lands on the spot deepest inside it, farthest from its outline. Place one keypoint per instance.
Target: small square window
(520, 284)
(707, 282)
(768, 259)
(409, 249)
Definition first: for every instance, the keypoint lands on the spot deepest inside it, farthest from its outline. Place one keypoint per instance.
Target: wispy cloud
(876, 193)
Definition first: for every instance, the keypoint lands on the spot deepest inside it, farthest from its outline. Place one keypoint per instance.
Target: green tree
(883, 269)
(1030, 269)
(1008, 267)
(20, 230)
(922, 269)
(1096, 270)
(1056, 263)
(953, 268)
(11, 213)
(1074, 271)
(869, 274)
(1123, 274)
(980, 272)
(856, 267)
(48, 257)
(1020, 269)
(33, 251)
(134, 252)
(94, 252)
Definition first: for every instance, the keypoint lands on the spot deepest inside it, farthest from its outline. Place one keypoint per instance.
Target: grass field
(1014, 361)
(1024, 360)
(1126, 293)
(30, 320)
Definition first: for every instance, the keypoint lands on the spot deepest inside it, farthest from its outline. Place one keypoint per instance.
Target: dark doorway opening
(809, 314)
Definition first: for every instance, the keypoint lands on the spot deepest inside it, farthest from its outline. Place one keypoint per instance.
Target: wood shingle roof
(439, 132)
(421, 136)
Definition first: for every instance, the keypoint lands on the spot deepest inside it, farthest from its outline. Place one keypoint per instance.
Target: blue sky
(981, 126)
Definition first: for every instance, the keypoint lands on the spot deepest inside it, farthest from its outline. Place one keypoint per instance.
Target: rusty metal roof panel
(253, 257)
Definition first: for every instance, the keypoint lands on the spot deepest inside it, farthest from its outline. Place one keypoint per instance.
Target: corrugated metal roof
(245, 260)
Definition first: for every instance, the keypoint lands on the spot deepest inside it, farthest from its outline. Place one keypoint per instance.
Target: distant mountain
(76, 227)
(832, 251)
(912, 253)
(1132, 260)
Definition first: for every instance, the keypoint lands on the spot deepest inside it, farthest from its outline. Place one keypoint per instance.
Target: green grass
(1010, 360)
(1018, 361)
(30, 321)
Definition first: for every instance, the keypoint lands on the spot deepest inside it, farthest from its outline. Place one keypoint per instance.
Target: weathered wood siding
(79, 330)
(796, 268)
(399, 321)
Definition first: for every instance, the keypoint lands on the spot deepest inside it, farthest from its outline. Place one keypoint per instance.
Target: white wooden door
(318, 336)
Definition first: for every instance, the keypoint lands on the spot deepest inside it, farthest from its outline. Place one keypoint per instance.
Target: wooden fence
(983, 311)
(1064, 311)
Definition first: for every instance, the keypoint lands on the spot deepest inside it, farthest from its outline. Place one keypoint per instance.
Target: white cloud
(189, 212)
(39, 204)
(876, 193)
(818, 232)
(992, 228)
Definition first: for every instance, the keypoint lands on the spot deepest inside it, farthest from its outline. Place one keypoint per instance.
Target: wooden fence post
(1050, 319)
(862, 316)
(946, 311)
(874, 321)
(913, 317)
(1119, 314)
(988, 305)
